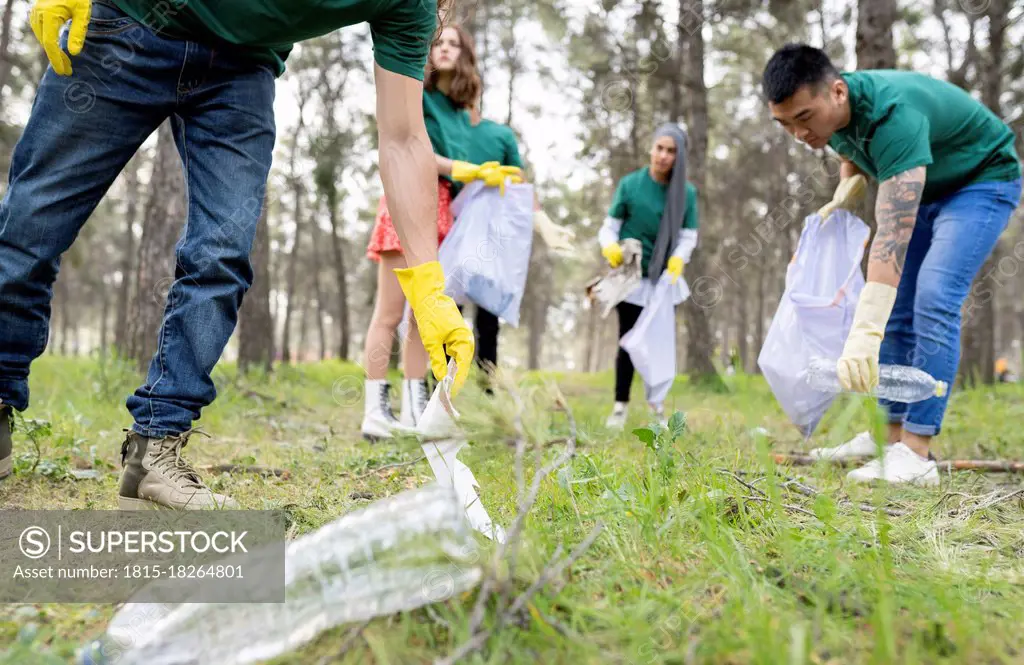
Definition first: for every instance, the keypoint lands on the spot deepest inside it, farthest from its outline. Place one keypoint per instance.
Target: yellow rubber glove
(48, 17)
(494, 175)
(675, 268)
(858, 366)
(441, 325)
(613, 253)
(557, 238)
(847, 195)
(464, 171)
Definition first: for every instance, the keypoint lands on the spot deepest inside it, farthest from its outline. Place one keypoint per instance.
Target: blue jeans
(952, 239)
(82, 131)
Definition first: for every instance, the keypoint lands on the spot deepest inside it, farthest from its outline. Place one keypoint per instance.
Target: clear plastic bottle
(895, 382)
(396, 555)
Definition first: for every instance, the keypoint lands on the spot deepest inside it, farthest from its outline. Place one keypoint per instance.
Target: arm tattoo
(896, 212)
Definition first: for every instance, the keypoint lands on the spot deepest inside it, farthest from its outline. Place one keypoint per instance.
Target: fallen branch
(384, 467)
(981, 502)
(255, 394)
(807, 490)
(988, 466)
(264, 471)
(741, 481)
(346, 645)
(787, 506)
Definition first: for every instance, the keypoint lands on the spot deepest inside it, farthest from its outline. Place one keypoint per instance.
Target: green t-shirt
(266, 30)
(901, 120)
(639, 202)
(493, 142)
(447, 126)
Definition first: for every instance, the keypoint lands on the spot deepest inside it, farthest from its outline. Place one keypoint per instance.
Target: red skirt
(384, 238)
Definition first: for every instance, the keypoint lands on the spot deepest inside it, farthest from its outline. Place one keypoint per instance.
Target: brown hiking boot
(6, 446)
(155, 476)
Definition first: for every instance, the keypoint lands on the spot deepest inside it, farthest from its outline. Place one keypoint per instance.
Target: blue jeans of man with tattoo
(952, 239)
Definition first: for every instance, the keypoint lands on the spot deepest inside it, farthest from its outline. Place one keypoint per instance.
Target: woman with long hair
(451, 85)
(656, 205)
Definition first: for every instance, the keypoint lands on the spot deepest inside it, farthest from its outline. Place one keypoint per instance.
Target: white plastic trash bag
(823, 282)
(486, 255)
(651, 343)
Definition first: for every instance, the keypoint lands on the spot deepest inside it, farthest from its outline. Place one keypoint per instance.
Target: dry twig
(508, 551)
(384, 467)
(264, 471)
(552, 570)
(350, 640)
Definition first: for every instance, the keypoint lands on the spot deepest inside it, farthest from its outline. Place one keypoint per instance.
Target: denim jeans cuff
(920, 430)
(13, 395)
(896, 417)
(154, 433)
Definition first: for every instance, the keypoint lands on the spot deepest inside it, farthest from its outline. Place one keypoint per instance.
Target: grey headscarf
(674, 215)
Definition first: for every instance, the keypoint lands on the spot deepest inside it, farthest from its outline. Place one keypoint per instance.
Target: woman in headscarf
(451, 85)
(657, 206)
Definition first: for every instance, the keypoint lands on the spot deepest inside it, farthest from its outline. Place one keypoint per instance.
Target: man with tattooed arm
(949, 179)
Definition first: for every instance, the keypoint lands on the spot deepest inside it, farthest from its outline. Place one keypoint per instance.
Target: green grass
(686, 569)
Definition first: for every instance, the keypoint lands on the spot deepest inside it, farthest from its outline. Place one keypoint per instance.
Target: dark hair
(466, 83)
(794, 66)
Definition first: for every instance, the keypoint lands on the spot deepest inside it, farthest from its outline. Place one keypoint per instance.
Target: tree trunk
(314, 230)
(762, 278)
(303, 313)
(131, 181)
(875, 19)
(875, 50)
(163, 219)
(292, 287)
(293, 257)
(700, 343)
(592, 323)
(743, 324)
(104, 319)
(537, 299)
(978, 352)
(5, 47)
(255, 322)
(512, 58)
(62, 308)
(341, 274)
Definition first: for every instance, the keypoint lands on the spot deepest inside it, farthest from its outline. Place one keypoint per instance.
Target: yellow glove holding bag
(464, 171)
(494, 175)
(675, 268)
(441, 325)
(613, 254)
(48, 17)
(847, 195)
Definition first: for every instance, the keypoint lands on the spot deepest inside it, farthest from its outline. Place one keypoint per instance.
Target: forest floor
(692, 565)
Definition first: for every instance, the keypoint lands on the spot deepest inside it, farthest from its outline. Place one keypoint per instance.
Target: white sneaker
(862, 445)
(617, 420)
(379, 421)
(899, 464)
(658, 411)
(414, 401)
